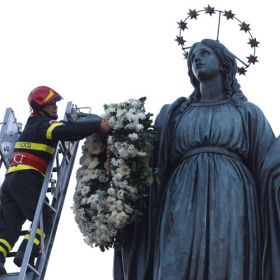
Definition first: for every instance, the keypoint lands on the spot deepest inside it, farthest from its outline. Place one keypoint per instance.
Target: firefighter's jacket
(37, 142)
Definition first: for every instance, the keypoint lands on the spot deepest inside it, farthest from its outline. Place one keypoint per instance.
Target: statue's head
(227, 60)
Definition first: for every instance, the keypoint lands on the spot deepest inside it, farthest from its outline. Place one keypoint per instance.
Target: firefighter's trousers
(18, 201)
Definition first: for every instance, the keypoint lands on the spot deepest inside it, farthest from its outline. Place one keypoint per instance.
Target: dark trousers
(18, 201)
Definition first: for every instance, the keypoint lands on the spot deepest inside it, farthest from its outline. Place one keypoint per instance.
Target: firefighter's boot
(20, 253)
(2, 261)
(2, 269)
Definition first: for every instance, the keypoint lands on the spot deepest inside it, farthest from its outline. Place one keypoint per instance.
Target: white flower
(93, 199)
(120, 194)
(84, 179)
(139, 127)
(110, 200)
(130, 126)
(112, 232)
(129, 115)
(87, 160)
(112, 121)
(99, 207)
(118, 124)
(132, 151)
(110, 139)
(111, 191)
(85, 190)
(114, 162)
(120, 113)
(109, 111)
(78, 173)
(123, 184)
(141, 116)
(93, 163)
(134, 119)
(94, 173)
(128, 209)
(123, 152)
(118, 219)
(119, 205)
(96, 149)
(84, 201)
(141, 154)
(135, 103)
(123, 171)
(132, 110)
(102, 178)
(117, 177)
(133, 136)
(131, 190)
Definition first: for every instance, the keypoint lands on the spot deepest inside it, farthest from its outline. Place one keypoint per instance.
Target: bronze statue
(214, 212)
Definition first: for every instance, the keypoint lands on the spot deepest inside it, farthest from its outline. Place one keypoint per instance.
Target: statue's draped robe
(215, 211)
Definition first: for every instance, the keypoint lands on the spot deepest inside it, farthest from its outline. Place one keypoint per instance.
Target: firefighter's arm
(73, 131)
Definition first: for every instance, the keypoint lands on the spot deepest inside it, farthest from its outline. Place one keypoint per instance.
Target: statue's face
(205, 63)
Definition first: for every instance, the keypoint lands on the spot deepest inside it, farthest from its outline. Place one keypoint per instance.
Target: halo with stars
(229, 15)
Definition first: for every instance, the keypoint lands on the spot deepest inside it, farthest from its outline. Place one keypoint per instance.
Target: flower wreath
(115, 175)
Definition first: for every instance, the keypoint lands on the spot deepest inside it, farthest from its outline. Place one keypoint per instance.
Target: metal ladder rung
(52, 208)
(33, 269)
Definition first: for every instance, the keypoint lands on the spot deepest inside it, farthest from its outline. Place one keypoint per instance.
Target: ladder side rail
(60, 174)
(64, 181)
(64, 171)
(43, 257)
(35, 223)
(58, 166)
(42, 239)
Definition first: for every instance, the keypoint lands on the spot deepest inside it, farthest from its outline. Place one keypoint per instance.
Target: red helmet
(42, 96)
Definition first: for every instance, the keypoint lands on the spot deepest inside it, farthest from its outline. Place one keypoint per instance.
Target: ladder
(56, 182)
(10, 131)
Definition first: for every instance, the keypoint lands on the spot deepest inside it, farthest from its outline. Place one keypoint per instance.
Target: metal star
(229, 14)
(185, 54)
(252, 59)
(241, 70)
(244, 26)
(209, 10)
(193, 13)
(180, 40)
(253, 42)
(182, 25)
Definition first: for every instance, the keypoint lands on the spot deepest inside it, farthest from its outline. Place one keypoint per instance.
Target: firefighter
(24, 178)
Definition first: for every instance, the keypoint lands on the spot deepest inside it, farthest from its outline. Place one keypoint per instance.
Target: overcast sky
(95, 52)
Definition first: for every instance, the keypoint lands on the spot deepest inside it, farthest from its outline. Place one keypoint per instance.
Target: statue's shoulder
(168, 110)
(251, 111)
(251, 107)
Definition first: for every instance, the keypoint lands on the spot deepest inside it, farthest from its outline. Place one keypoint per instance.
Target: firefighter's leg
(35, 249)
(11, 220)
(47, 221)
(25, 191)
